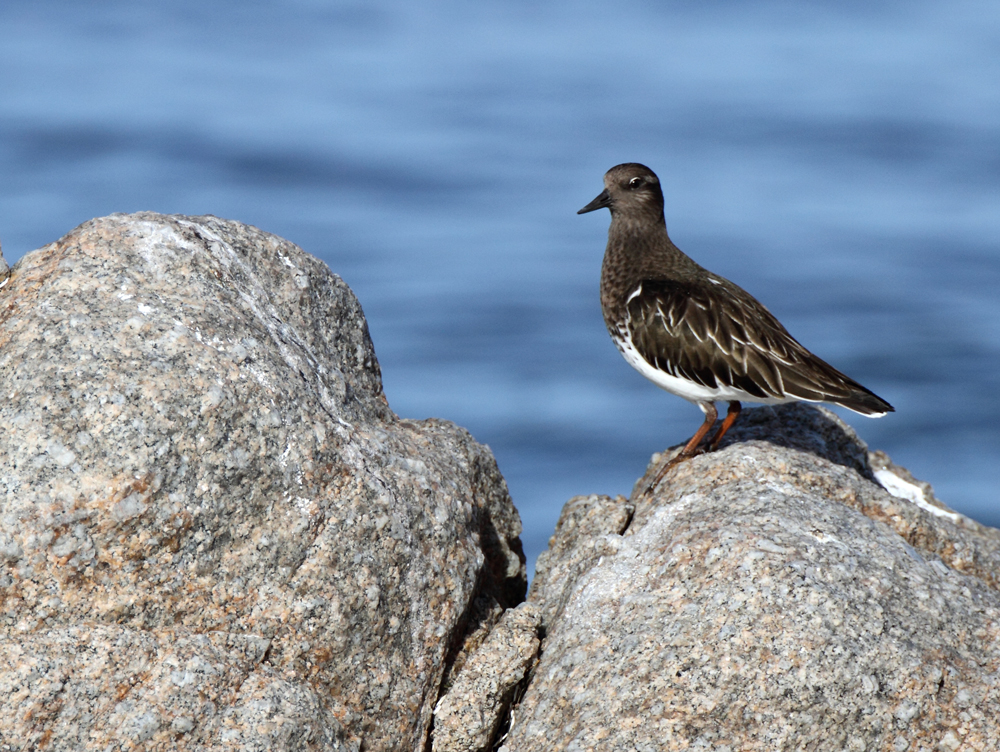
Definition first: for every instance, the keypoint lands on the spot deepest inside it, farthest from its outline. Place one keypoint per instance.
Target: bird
(694, 333)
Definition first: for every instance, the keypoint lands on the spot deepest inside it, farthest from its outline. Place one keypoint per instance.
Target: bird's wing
(719, 335)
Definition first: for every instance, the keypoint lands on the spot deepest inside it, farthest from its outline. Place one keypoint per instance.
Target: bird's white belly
(689, 390)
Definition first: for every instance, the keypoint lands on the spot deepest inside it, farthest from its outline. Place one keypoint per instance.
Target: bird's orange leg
(731, 415)
(691, 448)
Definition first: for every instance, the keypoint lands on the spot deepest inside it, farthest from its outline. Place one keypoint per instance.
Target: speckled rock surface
(586, 526)
(771, 596)
(469, 716)
(4, 269)
(214, 533)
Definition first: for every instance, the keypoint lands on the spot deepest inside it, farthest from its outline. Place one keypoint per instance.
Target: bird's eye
(634, 183)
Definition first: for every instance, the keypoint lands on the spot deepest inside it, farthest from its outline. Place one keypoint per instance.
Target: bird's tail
(866, 403)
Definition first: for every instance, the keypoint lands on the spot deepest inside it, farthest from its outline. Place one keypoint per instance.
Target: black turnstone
(693, 333)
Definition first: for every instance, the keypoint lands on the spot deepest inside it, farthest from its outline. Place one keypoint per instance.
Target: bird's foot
(679, 458)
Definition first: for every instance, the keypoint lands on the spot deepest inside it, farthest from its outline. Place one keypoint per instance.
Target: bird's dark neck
(639, 248)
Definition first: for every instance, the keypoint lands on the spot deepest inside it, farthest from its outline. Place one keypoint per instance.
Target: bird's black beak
(602, 201)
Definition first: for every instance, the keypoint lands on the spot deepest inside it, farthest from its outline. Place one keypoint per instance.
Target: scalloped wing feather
(692, 331)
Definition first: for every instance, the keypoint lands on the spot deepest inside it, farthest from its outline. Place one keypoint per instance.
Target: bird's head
(631, 190)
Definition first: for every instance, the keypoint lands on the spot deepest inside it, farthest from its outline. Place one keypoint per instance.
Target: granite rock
(214, 533)
(4, 269)
(790, 591)
(468, 718)
(585, 528)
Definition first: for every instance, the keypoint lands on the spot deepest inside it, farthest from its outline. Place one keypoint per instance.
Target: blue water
(841, 161)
